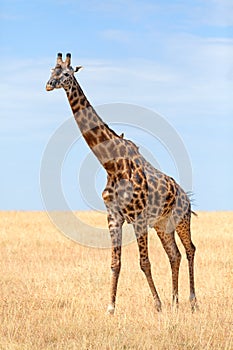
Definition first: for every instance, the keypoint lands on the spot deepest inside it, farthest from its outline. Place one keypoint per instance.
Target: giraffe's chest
(127, 197)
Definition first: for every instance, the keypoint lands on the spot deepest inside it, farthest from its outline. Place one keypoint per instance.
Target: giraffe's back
(166, 198)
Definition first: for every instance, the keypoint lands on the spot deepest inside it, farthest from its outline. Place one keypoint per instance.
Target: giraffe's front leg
(142, 240)
(115, 228)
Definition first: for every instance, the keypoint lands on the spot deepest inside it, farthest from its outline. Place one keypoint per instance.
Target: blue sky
(173, 57)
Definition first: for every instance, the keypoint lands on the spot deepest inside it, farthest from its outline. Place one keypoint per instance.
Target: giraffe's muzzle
(49, 87)
(51, 84)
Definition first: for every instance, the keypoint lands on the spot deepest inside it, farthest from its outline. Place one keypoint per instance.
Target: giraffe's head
(62, 74)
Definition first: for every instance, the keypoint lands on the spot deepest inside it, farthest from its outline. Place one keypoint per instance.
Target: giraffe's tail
(190, 194)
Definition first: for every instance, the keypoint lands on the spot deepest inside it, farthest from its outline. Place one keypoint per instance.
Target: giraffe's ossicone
(136, 192)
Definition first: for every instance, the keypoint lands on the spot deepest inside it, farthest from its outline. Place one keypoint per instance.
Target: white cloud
(6, 16)
(220, 13)
(25, 105)
(117, 35)
(196, 78)
(185, 14)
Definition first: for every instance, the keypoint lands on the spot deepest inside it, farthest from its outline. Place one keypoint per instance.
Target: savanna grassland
(54, 292)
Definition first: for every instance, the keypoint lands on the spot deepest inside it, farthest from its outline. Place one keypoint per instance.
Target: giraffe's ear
(78, 68)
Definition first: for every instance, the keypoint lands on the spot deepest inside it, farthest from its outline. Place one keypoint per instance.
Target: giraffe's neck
(97, 134)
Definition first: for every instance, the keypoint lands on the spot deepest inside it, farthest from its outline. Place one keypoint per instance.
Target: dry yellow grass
(54, 292)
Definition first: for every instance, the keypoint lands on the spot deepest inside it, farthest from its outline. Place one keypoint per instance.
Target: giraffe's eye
(66, 74)
(57, 70)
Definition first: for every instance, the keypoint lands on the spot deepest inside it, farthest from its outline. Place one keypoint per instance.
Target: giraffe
(135, 192)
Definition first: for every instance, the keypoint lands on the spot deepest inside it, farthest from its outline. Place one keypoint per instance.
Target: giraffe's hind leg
(170, 247)
(142, 240)
(184, 232)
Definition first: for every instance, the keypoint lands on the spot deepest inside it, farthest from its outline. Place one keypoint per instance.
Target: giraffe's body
(136, 192)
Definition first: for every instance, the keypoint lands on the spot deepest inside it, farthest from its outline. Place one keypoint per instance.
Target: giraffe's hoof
(194, 305)
(159, 307)
(110, 309)
(175, 307)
